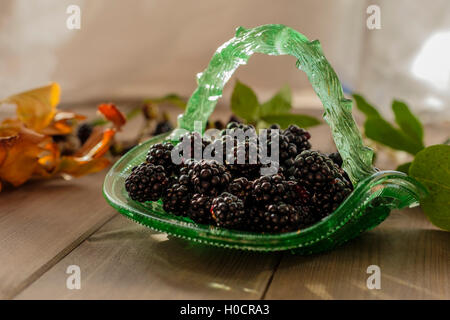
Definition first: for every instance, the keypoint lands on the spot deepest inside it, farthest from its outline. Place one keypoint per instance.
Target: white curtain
(140, 48)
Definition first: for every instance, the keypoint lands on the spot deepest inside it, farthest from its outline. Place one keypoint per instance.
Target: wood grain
(47, 226)
(414, 258)
(41, 222)
(124, 260)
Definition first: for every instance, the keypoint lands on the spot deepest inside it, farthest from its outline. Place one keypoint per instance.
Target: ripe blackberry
(146, 182)
(233, 118)
(215, 125)
(209, 177)
(328, 199)
(271, 189)
(184, 173)
(336, 157)
(308, 216)
(191, 141)
(275, 126)
(314, 170)
(200, 210)
(243, 161)
(323, 180)
(235, 129)
(274, 218)
(161, 154)
(228, 211)
(176, 199)
(241, 188)
(299, 137)
(299, 194)
(84, 131)
(287, 151)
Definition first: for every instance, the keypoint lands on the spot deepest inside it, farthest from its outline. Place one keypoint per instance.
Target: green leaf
(244, 102)
(404, 167)
(286, 119)
(407, 121)
(431, 167)
(383, 132)
(279, 103)
(365, 107)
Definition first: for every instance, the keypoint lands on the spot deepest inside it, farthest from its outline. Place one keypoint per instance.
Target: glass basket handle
(281, 40)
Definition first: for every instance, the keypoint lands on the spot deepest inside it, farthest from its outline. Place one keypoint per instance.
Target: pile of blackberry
(306, 186)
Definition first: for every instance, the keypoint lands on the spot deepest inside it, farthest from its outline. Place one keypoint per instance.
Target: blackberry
(161, 154)
(176, 199)
(299, 137)
(336, 157)
(226, 143)
(275, 126)
(328, 199)
(59, 138)
(234, 129)
(271, 189)
(233, 118)
(299, 194)
(287, 151)
(241, 188)
(244, 160)
(307, 216)
(185, 168)
(228, 211)
(323, 179)
(218, 125)
(314, 170)
(146, 182)
(84, 131)
(162, 127)
(274, 218)
(215, 125)
(191, 141)
(200, 210)
(209, 177)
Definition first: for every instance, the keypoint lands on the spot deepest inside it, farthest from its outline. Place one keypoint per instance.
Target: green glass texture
(281, 40)
(375, 193)
(367, 206)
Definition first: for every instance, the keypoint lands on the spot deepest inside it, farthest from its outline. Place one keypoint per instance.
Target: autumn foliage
(27, 149)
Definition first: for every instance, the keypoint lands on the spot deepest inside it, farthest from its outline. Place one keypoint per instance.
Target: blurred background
(140, 48)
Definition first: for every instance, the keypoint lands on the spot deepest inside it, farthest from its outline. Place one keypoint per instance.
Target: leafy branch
(431, 165)
(277, 109)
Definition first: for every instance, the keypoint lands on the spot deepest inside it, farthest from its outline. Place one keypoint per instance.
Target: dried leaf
(27, 149)
(76, 167)
(36, 108)
(97, 144)
(63, 123)
(111, 113)
(19, 156)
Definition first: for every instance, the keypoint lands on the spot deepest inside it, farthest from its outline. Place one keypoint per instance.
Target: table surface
(47, 226)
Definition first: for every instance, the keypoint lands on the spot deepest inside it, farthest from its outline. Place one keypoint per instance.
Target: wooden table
(45, 227)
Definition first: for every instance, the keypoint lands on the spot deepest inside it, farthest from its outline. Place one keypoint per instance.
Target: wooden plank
(413, 256)
(41, 222)
(124, 260)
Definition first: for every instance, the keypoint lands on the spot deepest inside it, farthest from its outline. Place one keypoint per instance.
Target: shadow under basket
(375, 193)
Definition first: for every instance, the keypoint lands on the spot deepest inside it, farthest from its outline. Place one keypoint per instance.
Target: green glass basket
(375, 194)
